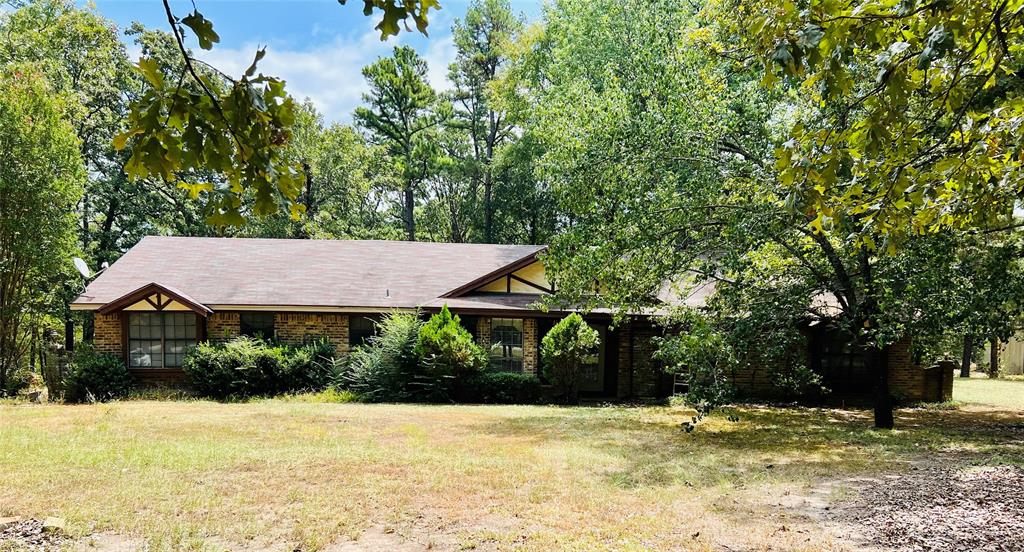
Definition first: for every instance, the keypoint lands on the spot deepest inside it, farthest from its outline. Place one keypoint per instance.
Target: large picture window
(506, 344)
(159, 339)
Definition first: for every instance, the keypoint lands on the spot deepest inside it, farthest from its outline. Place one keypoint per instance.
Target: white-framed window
(159, 339)
(506, 344)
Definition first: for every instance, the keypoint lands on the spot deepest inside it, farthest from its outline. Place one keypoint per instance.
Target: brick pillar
(906, 379)
(530, 345)
(108, 336)
(624, 335)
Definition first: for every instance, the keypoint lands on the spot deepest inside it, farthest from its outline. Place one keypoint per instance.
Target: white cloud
(329, 73)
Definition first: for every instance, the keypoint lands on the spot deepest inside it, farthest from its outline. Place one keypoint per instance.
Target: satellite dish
(82, 268)
(104, 266)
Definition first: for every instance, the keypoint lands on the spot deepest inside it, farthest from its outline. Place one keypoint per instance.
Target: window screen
(506, 344)
(159, 339)
(257, 324)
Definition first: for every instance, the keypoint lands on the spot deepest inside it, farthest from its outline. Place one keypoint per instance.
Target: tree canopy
(908, 113)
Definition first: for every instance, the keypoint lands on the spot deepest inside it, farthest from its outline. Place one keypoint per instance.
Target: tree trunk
(883, 398)
(488, 211)
(407, 214)
(965, 362)
(993, 358)
(69, 332)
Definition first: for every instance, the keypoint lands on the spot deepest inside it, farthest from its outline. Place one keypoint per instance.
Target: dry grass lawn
(281, 475)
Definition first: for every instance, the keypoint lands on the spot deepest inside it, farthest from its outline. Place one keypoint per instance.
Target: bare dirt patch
(938, 508)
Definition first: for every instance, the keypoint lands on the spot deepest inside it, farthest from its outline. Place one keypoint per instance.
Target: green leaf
(150, 70)
(203, 29)
(810, 36)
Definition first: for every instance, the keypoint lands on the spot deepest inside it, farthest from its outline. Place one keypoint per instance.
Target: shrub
(447, 349)
(564, 350)
(387, 367)
(94, 376)
(500, 388)
(247, 367)
(17, 381)
(311, 367)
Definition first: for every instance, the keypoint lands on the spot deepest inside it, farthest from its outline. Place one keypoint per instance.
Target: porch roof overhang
(165, 295)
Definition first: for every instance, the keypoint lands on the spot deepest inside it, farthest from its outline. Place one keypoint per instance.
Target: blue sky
(317, 46)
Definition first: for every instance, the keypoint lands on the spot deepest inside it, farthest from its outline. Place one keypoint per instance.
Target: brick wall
(625, 361)
(109, 336)
(530, 345)
(222, 326)
(646, 373)
(297, 327)
(639, 375)
(906, 379)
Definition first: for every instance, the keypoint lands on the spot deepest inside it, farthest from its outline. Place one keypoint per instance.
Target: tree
(480, 39)
(564, 350)
(662, 159)
(446, 348)
(238, 127)
(910, 115)
(403, 110)
(344, 184)
(40, 182)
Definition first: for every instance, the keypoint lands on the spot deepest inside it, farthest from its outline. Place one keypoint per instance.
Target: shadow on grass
(647, 447)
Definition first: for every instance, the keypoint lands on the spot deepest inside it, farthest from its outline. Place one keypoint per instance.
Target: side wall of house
(638, 375)
(223, 326)
(108, 336)
(297, 328)
(907, 380)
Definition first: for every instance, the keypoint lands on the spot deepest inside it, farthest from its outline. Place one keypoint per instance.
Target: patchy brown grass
(287, 474)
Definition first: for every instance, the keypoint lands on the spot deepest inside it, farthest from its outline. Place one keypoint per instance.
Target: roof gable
(156, 296)
(503, 273)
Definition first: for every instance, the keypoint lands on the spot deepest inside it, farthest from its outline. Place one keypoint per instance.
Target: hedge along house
(168, 293)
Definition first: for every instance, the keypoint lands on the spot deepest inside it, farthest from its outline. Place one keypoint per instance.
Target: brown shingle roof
(310, 273)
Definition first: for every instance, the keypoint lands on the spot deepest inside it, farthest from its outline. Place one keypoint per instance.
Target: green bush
(94, 376)
(500, 388)
(17, 381)
(387, 368)
(564, 350)
(447, 349)
(248, 367)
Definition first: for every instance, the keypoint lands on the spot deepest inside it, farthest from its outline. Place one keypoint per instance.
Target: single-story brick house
(167, 293)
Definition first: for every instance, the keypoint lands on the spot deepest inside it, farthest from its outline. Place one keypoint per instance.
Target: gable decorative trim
(157, 296)
(496, 274)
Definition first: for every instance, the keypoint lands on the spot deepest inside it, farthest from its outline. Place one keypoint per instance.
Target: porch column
(530, 365)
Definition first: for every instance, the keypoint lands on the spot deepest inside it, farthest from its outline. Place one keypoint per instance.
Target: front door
(592, 373)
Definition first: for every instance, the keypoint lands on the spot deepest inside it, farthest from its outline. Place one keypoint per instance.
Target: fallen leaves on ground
(939, 508)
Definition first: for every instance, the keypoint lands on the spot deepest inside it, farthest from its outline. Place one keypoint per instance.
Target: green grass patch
(995, 393)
